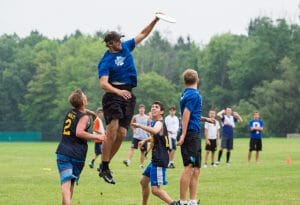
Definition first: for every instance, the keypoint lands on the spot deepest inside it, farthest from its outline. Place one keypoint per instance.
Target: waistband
(123, 87)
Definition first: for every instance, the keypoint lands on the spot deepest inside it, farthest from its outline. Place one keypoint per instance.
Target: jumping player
(117, 77)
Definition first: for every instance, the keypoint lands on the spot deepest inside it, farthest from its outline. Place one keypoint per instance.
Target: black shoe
(106, 175)
(175, 203)
(91, 164)
(126, 163)
(171, 166)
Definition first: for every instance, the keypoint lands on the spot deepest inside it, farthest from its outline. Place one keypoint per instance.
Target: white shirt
(140, 133)
(172, 124)
(212, 129)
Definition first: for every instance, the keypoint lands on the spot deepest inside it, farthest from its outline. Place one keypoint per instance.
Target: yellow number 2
(67, 127)
(167, 141)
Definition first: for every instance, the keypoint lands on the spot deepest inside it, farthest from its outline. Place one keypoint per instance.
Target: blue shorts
(97, 148)
(157, 175)
(69, 168)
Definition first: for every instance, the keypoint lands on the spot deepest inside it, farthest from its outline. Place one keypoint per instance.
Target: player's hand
(101, 137)
(125, 94)
(135, 125)
(207, 142)
(180, 141)
(212, 121)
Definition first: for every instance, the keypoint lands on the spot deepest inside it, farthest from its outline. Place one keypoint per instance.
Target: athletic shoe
(213, 165)
(91, 164)
(171, 166)
(217, 162)
(205, 166)
(228, 163)
(141, 166)
(126, 163)
(195, 203)
(106, 175)
(175, 203)
(178, 203)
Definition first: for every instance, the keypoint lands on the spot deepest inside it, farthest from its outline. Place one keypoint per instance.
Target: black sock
(93, 161)
(105, 165)
(227, 157)
(220, 155)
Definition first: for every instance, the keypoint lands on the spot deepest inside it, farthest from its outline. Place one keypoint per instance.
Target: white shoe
(213, 165)
(141, 166)
(228, 163)
(217, 162)
(205, 166)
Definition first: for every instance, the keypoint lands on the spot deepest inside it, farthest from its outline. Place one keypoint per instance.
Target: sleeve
(96, 126)
(176, 128)
(191, 103)
(130, 44)
(103, 68)
(250, 124)
(206, 125)
(218, 125)
(235, 119)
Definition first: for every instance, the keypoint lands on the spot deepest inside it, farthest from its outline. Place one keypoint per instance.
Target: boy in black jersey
(72, 149)
(155, 173)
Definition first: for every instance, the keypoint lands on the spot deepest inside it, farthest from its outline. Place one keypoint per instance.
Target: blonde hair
(190, 76)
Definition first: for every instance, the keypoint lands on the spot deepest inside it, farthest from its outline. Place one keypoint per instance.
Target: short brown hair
(160, 105)
(76, 98)
(141, 105)
(172, 107)
(190, 76)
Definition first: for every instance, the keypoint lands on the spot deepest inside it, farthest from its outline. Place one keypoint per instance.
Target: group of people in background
(117, 77)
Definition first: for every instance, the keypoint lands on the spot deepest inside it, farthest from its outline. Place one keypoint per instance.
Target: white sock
(183, 202)
(193, 202)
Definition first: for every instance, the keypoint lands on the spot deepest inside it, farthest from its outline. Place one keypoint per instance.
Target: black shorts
(135, 145)
(172, 144)
(255, 145)
(213, 145)
(116, 107)
(97, 148)
(191, 150)
(227, 143)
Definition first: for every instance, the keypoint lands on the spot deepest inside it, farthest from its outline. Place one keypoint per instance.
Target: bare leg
(120, 136)
(257, 156)
(162, 194)
(111, 133)
(185, 180)
(213, 157)
(206, 157)
(130, 153)
(66, 190)
(194, 183)
(172, 155)
(142, 158)
(249, 156)
(145, 189)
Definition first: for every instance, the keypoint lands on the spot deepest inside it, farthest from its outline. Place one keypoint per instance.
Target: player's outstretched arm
(146, 31)
(80, 130)
(152, 130)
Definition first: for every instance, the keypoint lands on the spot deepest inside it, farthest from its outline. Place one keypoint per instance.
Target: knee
(144, 182)
(122, 132)
(155, 190)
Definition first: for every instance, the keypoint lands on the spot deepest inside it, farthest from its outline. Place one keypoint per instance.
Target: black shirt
(71, 145)
(160, 155)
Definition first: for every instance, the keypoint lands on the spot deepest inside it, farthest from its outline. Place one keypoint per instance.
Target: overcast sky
(201, 19)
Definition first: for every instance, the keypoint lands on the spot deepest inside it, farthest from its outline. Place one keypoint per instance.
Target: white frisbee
(166, 18)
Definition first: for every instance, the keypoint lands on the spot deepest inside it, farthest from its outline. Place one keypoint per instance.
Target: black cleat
(106, 175)
(126, 163)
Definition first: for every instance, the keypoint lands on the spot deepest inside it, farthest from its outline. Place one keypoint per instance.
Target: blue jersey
(228, 123)
(119, 67)
(192, 100)
(256, 134)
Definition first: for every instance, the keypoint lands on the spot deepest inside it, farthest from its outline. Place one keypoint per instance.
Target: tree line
(255, 72)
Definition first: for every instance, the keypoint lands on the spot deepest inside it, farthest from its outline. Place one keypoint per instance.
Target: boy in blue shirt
(117, 77)
(256, 125)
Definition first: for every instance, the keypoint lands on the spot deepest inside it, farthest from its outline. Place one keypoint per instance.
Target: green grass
(28, 175)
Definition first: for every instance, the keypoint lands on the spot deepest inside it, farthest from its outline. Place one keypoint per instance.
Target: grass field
(28, 175)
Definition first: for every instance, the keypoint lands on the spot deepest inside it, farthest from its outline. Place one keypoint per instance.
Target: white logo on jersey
(119, 61)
